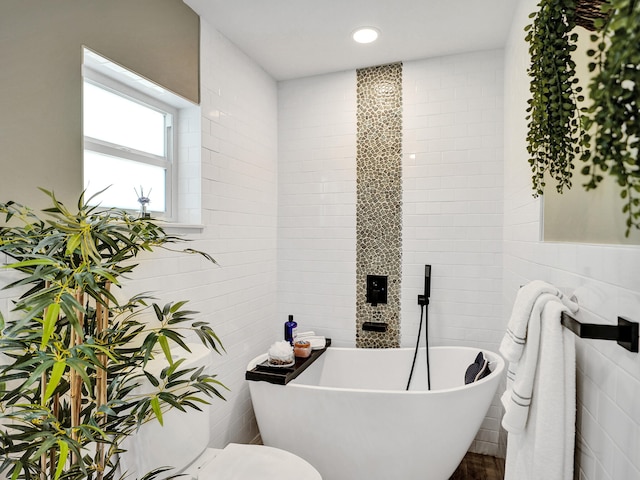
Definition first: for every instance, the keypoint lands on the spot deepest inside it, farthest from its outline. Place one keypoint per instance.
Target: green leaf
(16, 472)
(39, 370)
(73, 243)
(174, 367)
(196, 374)
(54, 380)
(196, 399)
(154, 381)
(49, 324)
(158, 311)
(155, 406)
(176, 337)
(165, 348)
(171, 400)
(62, 458)
(148, 344)
(32, 263)
(81, 367)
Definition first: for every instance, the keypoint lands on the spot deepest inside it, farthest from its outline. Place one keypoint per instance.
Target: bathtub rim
(494, 376)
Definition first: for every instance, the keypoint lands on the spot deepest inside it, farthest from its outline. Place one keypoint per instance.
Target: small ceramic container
(302, 348)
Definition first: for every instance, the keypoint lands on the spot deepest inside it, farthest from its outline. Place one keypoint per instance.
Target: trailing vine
(614, 115)
(554, 135)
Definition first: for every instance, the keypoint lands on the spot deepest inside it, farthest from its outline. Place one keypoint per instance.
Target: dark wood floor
(479, 467)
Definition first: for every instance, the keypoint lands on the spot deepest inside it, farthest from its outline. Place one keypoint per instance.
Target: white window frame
(168, 162)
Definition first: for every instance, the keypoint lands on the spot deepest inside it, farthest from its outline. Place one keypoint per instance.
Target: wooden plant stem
(43, 389)
(43, 456)
(75, 381)
(102, 324)
(56, 413)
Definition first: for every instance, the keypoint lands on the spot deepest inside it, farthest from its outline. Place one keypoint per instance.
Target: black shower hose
(424, 312)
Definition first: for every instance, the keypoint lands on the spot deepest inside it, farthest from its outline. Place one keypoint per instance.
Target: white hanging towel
(540, 397)
(516, 336)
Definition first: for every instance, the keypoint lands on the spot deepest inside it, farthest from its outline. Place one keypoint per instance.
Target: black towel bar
(625, 333)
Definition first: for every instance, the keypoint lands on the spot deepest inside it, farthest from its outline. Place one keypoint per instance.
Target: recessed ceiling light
(365, 35)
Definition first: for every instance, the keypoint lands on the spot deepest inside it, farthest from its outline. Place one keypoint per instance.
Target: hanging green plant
(615, 112)
(553, 139)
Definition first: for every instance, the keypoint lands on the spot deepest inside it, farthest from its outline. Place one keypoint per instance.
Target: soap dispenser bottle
(290, 328)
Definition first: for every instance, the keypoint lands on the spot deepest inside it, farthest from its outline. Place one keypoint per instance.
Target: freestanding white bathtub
(349, 415)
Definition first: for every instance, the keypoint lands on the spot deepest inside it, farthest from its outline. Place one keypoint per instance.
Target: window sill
(174, 227)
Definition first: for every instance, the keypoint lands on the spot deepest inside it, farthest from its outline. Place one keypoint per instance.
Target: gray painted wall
(40, 79)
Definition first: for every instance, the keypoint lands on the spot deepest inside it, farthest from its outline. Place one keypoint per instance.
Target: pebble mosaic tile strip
(379, 199)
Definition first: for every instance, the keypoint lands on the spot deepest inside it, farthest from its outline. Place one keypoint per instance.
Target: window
(127, 148)
(130, 142)
(140, 139)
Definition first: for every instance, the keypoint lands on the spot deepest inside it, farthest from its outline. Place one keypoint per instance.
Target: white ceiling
(299, 38)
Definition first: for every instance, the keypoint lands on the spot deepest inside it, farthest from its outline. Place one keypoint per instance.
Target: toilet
(182, 443)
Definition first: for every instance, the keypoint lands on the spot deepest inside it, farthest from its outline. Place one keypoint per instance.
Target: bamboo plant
(73, 354)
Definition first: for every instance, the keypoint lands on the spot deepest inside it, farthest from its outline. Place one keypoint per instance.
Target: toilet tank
(184, 436)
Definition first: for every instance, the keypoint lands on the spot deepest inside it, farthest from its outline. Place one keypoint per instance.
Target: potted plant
(74, 354)
(554, 128)
(605, 134)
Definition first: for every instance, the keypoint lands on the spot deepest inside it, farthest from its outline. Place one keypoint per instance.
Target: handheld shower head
(424, 298)
(427, 281)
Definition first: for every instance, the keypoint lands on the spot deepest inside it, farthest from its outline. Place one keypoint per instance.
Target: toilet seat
(251, 462)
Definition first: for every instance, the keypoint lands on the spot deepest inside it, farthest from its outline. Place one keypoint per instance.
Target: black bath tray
(263, 372)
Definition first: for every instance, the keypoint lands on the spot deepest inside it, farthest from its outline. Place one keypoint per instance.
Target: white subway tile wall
(452, 206)
(239, 211)
(605, 280)
(189, 168)
(317, 204)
